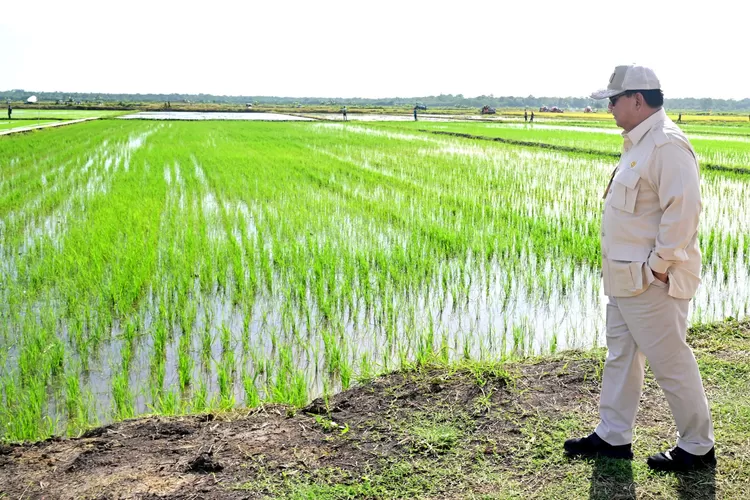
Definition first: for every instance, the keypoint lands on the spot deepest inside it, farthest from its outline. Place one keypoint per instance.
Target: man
(10, 111)
(525, 115)
(343, 111)
(651, 268)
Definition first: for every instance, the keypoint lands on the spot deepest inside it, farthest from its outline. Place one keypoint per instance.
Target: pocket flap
(627, 178)
(629, 253)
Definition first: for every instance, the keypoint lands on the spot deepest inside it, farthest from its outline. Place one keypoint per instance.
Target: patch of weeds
(483, 403)
(485, 372)
(728, 330)
(392, 479)
(437, 433)
(723, 373)
(731, 416)
(434, 439)
(545, 437)
(329, 425)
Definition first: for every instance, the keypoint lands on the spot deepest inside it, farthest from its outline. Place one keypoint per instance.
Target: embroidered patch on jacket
(632, 164)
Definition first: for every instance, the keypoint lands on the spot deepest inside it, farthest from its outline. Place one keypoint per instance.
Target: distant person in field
(532, 117)
(651, 268)
(525, 115)
(343, 111)
(10, 111)
(679, 118)
(415, 113)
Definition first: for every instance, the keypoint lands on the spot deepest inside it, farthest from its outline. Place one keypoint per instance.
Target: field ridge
(467, 430)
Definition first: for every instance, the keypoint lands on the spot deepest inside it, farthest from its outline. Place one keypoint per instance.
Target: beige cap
(630, 77)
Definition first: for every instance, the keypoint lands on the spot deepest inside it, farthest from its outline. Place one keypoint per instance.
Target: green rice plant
(124, 406)
(252, 396)
(200, 401)
(226, 396)
(168, 403)
(73, 397)
(184, 363)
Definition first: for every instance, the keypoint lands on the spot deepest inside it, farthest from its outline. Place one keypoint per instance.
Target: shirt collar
(635, 135)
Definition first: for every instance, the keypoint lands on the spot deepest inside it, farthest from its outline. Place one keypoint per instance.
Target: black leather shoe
(679, 460)
(593, 446)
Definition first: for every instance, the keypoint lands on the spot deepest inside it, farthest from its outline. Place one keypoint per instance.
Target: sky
(373, 49)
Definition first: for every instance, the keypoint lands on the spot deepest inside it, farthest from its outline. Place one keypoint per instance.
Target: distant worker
(532, 117)
(525, 115)
(343, 112)
(415, 113)
(679, 118)
(10, 111)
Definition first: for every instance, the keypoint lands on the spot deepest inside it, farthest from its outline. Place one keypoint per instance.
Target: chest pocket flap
(625, 190)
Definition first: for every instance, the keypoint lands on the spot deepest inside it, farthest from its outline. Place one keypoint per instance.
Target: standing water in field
(178, 267)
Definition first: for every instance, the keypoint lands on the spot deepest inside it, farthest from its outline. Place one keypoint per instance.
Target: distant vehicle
(421, 107)
(588, 109)
(488, 110)
(553, 109)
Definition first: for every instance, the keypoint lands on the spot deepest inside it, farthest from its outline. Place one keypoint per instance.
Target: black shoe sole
(599, 454)
(680, 469)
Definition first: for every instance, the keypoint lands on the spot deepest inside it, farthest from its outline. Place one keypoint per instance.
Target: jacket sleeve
(674, 175)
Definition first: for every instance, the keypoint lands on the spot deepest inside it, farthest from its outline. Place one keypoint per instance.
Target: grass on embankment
(505, 441)
(478, 430)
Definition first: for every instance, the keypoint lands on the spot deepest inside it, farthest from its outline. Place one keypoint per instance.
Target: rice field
(713, 146)
(172, 267)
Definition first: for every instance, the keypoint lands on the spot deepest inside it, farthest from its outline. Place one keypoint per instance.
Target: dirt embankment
(362, 430)
(479, 431)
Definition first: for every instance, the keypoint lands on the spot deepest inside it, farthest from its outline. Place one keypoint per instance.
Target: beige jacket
(651, 212)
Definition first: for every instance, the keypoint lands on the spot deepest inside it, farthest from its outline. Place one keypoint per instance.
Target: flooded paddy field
(406, 117)
(171, 267)
(727, 147)
(198, 115)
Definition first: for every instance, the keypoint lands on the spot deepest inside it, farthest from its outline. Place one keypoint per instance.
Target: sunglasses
(613, 100)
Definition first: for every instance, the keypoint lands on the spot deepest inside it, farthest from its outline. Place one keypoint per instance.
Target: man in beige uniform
(651, 268)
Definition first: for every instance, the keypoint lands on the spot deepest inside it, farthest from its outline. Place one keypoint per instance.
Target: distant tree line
(442, 100)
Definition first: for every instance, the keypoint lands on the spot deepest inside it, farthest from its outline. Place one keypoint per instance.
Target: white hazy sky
(351, 48)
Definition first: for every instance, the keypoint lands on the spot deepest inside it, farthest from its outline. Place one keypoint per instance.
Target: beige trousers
(652, 326)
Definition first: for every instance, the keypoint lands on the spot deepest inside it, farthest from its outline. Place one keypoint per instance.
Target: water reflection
(194, 115)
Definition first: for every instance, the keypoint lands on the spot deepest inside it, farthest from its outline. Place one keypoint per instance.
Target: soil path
(47, 125)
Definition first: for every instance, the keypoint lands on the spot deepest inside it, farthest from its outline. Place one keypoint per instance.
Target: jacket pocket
(620, 276)
(624, 278)
(625, 187)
